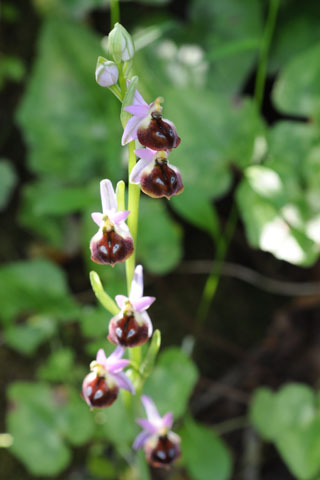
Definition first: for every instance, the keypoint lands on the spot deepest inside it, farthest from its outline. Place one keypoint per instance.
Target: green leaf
(32, 422)
(74, 131)
(197, 210)
(27, 338)
(215, 134)
(300, 449)
(117, 424)
(105, 300)
(75, 420)
(268, 229)
(272, 414)
(45, 290)
(291, 419)
(172, 381)
(235, 25)
(261, 413)
(94, 322)
(296, 31)
(204, 454)
(151, 355)
(60, 367)
(297, 90)
(159, 238)
(279, 202)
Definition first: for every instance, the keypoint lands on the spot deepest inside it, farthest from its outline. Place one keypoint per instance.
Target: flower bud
(120, 44)
(107, 72)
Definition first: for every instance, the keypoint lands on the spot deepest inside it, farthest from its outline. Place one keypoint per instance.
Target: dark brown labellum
(164, 453)
(111, 248)
(159, 135)
(127, 332)
(97, 392)
(162, 181)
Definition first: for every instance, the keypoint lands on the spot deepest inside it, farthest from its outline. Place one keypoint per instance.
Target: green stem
(115, 12)
(214, 277)
(264, 50)
(133, 207)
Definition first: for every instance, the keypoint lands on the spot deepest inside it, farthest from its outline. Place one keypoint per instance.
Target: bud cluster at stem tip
(120, 44)
(121, 49)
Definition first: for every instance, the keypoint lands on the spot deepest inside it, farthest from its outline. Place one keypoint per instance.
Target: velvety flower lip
(156, 176)
(153, 425)
(133, 308)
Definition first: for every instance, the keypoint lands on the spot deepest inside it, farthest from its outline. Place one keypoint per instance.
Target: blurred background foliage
(61, 134)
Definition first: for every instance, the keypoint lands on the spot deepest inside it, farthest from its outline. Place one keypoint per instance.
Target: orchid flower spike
(155, 175)
(161, 445)
(113, 242)
(147, 125)
(100, 388)
(132, 326)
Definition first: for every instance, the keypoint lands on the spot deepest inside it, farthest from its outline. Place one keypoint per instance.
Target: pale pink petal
(86, 389)
(108, 197)
(143, 303)
(137, 110)
(118, 365)
(130, 131)
(147, 321)
(116, 354)
(112, 337)
(97, 218)
(137, 170)
(141, 439)
(147, 425)
(145, 153)
(119, 217)
(101, 357)
(121, 300)
(167, 420)
(138, 99)
(136, 290)
(124, 382)
(151, 409)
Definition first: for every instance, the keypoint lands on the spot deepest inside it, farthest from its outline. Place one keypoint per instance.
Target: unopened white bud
(107, 72)
(120, 44)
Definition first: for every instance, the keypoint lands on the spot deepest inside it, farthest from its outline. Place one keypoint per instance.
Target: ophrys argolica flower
(148, 126)
(132, 326)
(113, 242)
(161, 445)
(100, 388)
